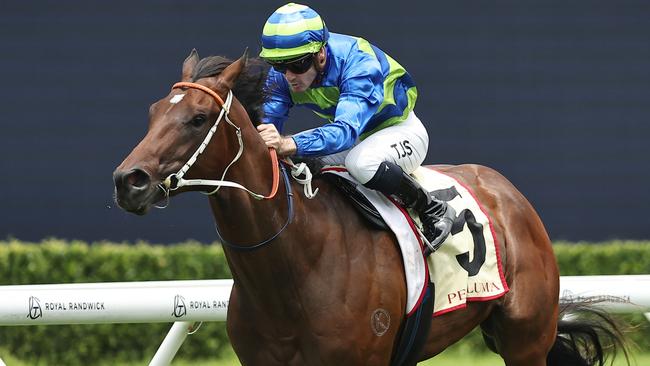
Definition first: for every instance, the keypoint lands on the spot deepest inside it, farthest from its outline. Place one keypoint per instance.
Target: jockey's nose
(131, 182)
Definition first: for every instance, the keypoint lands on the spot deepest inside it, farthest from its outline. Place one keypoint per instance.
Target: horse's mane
(249, 89)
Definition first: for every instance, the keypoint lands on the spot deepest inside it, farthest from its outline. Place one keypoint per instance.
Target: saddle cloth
(467, 267)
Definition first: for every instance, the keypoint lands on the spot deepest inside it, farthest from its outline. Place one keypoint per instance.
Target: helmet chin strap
(319, 69)
(176, 180)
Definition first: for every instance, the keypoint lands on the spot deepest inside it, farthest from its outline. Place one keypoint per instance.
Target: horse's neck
(242, 219)
(245, 221)
(235, 209)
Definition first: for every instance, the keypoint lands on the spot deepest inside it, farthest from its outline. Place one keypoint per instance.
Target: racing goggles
(298, 65)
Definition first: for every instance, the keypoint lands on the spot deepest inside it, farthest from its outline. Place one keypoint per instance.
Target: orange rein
(272, 152)
(276, 173)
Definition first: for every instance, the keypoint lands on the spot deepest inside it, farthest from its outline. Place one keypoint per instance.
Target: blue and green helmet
(292, 31)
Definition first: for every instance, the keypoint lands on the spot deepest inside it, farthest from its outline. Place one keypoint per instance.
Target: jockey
(368, 100)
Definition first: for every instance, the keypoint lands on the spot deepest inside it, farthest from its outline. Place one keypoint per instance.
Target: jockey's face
(301, 82)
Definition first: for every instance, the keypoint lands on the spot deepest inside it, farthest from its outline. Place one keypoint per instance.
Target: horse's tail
(587, 336)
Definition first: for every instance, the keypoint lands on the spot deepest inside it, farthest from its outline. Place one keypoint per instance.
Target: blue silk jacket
(362, 91)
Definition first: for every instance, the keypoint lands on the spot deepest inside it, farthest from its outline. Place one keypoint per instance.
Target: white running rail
(187, 302)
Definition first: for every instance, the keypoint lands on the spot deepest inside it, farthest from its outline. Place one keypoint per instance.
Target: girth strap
(414, 331)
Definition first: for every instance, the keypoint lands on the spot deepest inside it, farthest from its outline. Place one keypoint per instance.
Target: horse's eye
(198, 120)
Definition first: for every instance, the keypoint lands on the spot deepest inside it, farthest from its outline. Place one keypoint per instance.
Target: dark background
(554, 95)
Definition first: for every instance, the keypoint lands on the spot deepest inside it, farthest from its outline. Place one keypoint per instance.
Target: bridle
(176, 180)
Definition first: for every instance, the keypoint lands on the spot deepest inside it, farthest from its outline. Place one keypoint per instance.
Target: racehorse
(316, 270)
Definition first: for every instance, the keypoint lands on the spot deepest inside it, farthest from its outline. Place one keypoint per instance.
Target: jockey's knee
(386, 178)
(362, 166)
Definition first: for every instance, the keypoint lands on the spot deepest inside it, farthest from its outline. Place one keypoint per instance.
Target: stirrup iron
(444, 226)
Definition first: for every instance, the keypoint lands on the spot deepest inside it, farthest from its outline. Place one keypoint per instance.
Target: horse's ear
(228, 77)
(189, 64)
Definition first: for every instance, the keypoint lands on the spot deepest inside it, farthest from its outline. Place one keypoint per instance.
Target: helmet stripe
(276, 18)
(291, 41)
(291, 31)
(285, 53)
(291, 8)
(287, 29)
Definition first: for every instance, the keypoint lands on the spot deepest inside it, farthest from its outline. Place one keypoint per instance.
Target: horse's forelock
(210, 66)
(249, 89)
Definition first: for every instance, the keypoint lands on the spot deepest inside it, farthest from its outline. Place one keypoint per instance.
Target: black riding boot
(437, 216)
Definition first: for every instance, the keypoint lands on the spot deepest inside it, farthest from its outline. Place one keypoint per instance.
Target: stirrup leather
(437, 216)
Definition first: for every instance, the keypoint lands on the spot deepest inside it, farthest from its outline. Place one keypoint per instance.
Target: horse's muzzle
(133, 190)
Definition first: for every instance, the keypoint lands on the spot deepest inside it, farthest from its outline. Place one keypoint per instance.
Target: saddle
(359, 201)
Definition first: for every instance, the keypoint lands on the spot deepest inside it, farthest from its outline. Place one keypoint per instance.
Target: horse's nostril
(137, 178)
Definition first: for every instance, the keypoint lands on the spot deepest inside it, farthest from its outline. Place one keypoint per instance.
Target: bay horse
(305, 292)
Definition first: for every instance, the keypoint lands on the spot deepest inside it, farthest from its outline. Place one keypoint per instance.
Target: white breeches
(404, 144)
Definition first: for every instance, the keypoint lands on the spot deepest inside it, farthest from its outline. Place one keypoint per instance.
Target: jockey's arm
(278, 101)
(351, 116)
(361, 93)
